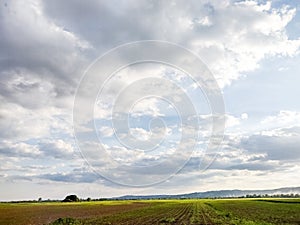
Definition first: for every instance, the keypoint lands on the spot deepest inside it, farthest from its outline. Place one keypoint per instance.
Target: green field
(200, 211)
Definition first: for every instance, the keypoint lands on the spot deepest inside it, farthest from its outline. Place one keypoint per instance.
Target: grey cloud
(32, 44)
(87, 177)
(75, 176)
(105, 25)
(260, 165)
(26, 88)
(47, 149)
(282, 147)
(9, 149)
(16, 178)
(222, 163)
(50, 38)
(57, 149)
(46, 45)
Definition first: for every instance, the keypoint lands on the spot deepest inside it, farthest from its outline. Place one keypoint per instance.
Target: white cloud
(24, 124)
(57, 148)
(231, 37)
(284, 118)
(244, 116)
(243, 34)
(106, 131)
(232, 121)
(44, 50)
(282, 69)
(146, 106)
(19, 149)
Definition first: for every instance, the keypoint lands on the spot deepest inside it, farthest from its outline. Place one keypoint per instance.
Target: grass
(260, 211)
(197, 211)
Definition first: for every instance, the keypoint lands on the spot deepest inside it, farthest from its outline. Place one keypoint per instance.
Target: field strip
(169, 213)
(193, 212)
(184, 214)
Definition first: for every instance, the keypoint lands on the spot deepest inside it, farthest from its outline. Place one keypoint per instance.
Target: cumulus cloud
(282, 144)
(11, 149)
(57, 149)
(284, 118)
(32, 42)
(47, 45)
(71, 177)
(231, 37)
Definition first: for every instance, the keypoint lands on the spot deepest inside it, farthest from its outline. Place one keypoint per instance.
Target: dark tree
(71, 198)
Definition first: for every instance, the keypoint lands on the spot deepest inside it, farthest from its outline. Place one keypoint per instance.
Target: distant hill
(217, 194)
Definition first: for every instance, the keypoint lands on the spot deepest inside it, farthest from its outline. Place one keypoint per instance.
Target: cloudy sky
(47, 49)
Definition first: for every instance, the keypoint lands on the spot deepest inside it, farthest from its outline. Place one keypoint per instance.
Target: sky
(82, 113)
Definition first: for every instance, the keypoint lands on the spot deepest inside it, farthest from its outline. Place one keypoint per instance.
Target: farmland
(197, 211)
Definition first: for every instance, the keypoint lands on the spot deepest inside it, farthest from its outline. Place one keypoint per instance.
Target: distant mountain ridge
(217, 194)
